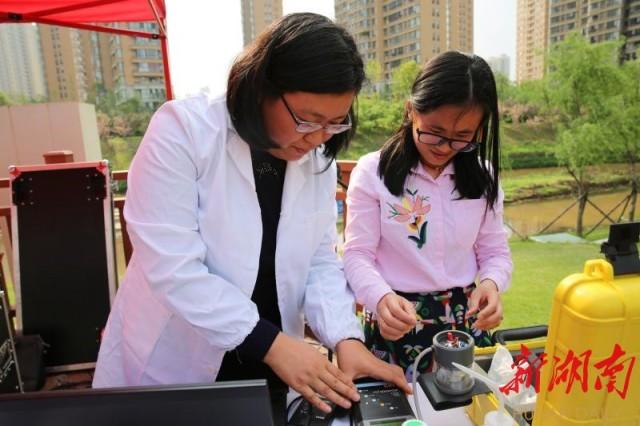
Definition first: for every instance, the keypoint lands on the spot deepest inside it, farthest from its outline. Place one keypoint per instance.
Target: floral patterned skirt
(436, 311)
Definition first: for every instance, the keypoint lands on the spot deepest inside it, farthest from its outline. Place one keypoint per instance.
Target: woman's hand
(396, 316)
(310, 373)
(486, 299)
(357, 361)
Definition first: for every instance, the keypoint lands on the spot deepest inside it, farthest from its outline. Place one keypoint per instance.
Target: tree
(104, 125)
(624, 127)
(378, 116)
(5, 99)
(534, 94)
(582, 78)
(120, 126)
(402, 79)
(580, 146)
(505, 88)
(373, 71)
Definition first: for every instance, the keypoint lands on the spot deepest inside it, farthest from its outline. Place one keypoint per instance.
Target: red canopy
(84, 15)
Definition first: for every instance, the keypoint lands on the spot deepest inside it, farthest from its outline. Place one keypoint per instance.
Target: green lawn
(538, 269)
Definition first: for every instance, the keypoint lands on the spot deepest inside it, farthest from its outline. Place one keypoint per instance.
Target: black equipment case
(64, 263)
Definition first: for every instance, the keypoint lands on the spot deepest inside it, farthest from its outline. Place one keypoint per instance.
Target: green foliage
(581, 76)
(531, 92)
(402, 79)
(377, 115)
(118, 119)
(528, 156)
(5, 99)
(538, 183)
(373, 71)
(581, 144)
(380, 114)
(505, 88)
(582, 83)
(18, 99)
(120, 151)
(623, 122)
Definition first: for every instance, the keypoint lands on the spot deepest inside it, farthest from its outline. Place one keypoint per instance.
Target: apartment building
(65, 74)
(500, 64)
(136, 66)
(21, 67)
(394, 31)
(77, 63)
(598, 20)
(257, 15)
(531, 39)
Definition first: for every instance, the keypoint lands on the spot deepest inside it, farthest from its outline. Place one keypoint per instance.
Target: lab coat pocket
(468, 216)
(144, 321)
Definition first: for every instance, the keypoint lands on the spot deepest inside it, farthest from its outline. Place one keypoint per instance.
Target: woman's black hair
(302, 52)
(451, 78)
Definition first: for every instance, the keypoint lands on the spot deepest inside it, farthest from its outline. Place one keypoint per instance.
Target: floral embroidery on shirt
(412, 211)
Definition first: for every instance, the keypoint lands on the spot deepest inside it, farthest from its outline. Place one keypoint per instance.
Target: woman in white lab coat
(231, 212)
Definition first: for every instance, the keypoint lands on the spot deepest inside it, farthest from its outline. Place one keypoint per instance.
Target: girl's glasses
(428, 138)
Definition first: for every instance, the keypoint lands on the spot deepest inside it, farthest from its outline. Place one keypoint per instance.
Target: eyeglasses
(309, 127)
(457, 145)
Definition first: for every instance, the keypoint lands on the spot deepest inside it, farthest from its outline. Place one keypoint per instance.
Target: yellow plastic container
(592, 311)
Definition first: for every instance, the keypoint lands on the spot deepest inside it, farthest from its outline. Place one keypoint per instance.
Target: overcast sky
(206, 35)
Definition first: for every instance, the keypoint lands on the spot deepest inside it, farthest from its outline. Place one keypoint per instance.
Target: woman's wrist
(349, 341)
(272, 352)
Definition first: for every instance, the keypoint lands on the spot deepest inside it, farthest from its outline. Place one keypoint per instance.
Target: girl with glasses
(231, 212)
(425, 216)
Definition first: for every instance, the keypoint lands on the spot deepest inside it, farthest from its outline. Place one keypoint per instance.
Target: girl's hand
(485, 299)
(396, 316)
(310, 373)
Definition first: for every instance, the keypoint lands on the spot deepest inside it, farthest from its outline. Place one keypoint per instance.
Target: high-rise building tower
(64, 64)
(79, 62)
(257, 15)
(21, 66)
(500, 64)
(597, 20)
(532, 39)
(395, 31)
(631, 29)
(136, 66)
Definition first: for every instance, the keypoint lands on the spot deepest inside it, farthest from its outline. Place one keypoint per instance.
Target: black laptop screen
(226, 403)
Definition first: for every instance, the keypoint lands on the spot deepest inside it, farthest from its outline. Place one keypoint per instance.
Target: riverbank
(552, 182)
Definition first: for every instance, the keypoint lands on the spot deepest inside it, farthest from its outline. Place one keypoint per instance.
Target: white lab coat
(195, 224)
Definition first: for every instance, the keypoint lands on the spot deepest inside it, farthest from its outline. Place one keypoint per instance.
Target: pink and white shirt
(425, 240)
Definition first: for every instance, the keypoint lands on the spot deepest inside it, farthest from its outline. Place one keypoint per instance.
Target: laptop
(224, 403)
